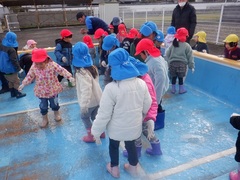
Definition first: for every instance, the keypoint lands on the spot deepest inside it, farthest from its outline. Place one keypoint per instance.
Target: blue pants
(44, 104)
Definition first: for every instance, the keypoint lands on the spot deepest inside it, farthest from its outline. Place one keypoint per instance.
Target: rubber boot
(19, 94)
(57, 116)
(159, 123)
(89, 137)
(173, 88)
(155, 150)
(234, 175)
(182, 90)
(132, 170)
(13, 92)
(139, 149)
(44, 121)
(103, 135)
(114, 171)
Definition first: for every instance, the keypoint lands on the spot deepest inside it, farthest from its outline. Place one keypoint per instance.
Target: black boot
(13, 92)
(3, 90)
(19, 94)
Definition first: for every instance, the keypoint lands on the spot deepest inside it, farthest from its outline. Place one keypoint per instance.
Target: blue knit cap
(152, 25)
(109, 42)
(121, 67)
(160, 36)
(81, 56)
(171, 30)
(141, 67)
(145, 30)
(10, 40)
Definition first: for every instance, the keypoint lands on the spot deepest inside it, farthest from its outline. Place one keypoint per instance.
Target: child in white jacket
(124, 103)
(88, 89)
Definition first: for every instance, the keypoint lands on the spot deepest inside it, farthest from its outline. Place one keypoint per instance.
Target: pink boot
(234, 175)
(114, 171)
(132, 170)
(89, 138)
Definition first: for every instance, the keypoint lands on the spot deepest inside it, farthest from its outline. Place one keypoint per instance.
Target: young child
(111, 29)
(47, 86)
(171, 31)
(126, 43)
(88, 89)
(179, 56)
(200, 40)
(148, 123)
(158, 71)
(122, 32)
(231, 50)
(235, 122)
(63, 52)
(124, 103)
(88, 41)
(159, 40)
(31, 44)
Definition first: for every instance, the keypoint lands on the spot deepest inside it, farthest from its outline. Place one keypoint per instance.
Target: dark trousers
(68, 68)
(4, 81)
(180, 80)
(114, 152)
(44, 104)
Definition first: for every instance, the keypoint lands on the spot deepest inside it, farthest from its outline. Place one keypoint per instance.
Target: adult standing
(184, 15)
(92, 23)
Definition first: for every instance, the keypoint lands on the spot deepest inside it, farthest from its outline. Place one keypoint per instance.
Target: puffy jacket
(93, 23)
(8, 60)
(63, 49)
(121, 110)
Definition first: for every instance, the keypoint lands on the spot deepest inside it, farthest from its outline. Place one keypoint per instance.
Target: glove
(72, 81)
(84, 110)
(150, 129)
(204, 51)
(103, 63)
(20, 88)
(21, 71)
(235, 114)
(64, 59)
(193, 70)
(97, 140)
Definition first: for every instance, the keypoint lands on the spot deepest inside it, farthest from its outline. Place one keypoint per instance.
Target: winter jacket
(26, 62)
(183, 53)
(233, 54)
(93, 23)
(122, 109)
(152, 112)
(200, 47)
(126, 43)
(158, 71)
(185, 17)
(89, 91)
(47, 84)
(63, 49)
(168, 40)
(235, 122)
(8, 60)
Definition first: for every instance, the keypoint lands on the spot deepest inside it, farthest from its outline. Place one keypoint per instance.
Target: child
(235, 122)
(171, 31)
(88, 41)
(231, 51)
(148, 123)
(158, 41)
(63, 52)
(157, 70)
(200, 39)
(31, 44)
(111, 29)
(47, 86)
(179, 56)
(126, 43)
(124, 103)
(88, 89)
(122, 32)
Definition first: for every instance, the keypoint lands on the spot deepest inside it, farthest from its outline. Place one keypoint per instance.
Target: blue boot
(139, 148)
(173, 90)
(182, 90)
(155, 150)
(159, 123)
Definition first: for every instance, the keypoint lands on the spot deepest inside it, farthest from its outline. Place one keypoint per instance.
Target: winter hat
(39, 55)
(121, 67)
(10, 40)
(109, 42)
(65, 33)
(80, 15)
(81, 56)
(100, 33)
(88, 41)
(145, 30)
(116, 21)
(152, 25)
(147, 45)
(30, 42)
(201, 36)
(181, 34)
(231, 38)
(160, 36)
(122, 30)
(132, 33)
(171, 30)
(141, 67)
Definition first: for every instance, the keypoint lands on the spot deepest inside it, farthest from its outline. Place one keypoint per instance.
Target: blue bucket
(159, 123)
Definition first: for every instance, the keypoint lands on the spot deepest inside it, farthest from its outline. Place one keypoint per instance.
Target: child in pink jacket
(148, 122)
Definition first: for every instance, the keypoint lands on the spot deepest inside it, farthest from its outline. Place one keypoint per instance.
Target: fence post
(146, 16)
(163, 16)
(219, 24)
(133, 20)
